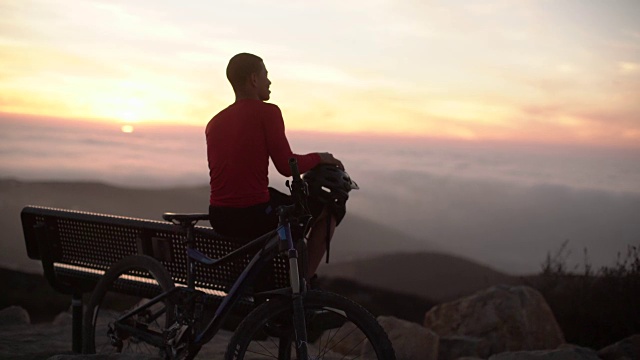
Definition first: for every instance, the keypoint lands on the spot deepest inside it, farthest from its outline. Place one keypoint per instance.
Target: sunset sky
(538, 70)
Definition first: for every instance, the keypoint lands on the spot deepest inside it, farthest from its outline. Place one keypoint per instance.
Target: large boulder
(568, 353)
(14, 315)
(410, 340)
(506, 318)
(628, 348)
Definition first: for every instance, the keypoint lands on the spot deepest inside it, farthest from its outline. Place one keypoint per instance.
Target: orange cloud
(626, 67)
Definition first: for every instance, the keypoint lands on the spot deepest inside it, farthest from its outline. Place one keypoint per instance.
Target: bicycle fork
(299, 323)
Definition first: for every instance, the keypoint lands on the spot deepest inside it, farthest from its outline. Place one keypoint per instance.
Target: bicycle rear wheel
(337, 328)
(141, 277)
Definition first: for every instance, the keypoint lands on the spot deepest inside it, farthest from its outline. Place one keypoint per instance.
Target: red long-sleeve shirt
(240, 140)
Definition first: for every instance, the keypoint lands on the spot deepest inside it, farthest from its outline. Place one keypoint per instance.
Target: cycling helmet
(329, 183)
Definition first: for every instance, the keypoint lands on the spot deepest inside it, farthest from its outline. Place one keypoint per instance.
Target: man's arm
(279, 149)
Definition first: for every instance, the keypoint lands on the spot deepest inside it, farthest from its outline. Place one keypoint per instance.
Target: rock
(457, 347)
(64, 318)
(574, 353)
(507, 318)
(626, 349)
(105, 357)
(39, 341)
(49, 341)
(14, 315)
(410, 340)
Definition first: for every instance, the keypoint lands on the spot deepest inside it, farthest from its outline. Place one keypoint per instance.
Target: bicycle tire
(346, 330)
(100, 309)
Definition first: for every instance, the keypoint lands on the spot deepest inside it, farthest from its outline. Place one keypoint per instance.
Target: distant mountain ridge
(430, 275)
(358, 238)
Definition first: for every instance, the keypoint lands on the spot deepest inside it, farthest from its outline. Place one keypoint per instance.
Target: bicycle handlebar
(295, 172)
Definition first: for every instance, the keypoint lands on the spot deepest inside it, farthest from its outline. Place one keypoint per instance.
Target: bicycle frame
(265, 247)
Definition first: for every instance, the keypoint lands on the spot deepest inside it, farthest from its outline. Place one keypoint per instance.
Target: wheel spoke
(108, 303)
(270, 354)
(343, 339)
(340, 335)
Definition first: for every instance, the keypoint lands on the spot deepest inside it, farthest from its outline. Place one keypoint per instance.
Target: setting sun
(127, 129)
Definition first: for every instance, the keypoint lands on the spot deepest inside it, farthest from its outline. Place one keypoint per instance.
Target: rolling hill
(429, 275)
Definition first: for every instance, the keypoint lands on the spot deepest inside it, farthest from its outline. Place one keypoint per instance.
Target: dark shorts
(253, 221)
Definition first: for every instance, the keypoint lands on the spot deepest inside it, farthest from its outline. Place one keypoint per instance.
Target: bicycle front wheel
(337, 328)
(127, 285)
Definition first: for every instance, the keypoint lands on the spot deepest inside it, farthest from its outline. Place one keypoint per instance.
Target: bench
(76, 248)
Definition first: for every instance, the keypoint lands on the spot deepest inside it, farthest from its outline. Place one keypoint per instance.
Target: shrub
(593, 308)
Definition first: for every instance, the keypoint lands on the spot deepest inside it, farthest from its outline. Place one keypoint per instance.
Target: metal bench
(77, 248)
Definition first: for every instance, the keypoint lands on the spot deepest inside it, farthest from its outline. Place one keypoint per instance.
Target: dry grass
(594, 307)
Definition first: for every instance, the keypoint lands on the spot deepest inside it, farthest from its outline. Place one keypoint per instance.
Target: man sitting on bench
(240, 141)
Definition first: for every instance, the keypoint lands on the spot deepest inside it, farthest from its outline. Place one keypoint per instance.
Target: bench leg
(76, 311)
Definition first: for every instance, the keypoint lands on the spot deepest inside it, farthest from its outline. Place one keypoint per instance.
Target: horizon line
(367, 135)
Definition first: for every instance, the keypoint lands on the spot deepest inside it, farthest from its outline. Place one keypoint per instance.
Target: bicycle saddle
(184, 218)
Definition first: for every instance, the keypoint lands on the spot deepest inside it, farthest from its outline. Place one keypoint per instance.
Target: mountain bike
(286, 323)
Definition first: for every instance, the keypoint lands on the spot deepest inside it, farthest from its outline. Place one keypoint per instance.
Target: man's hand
(327, 158)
